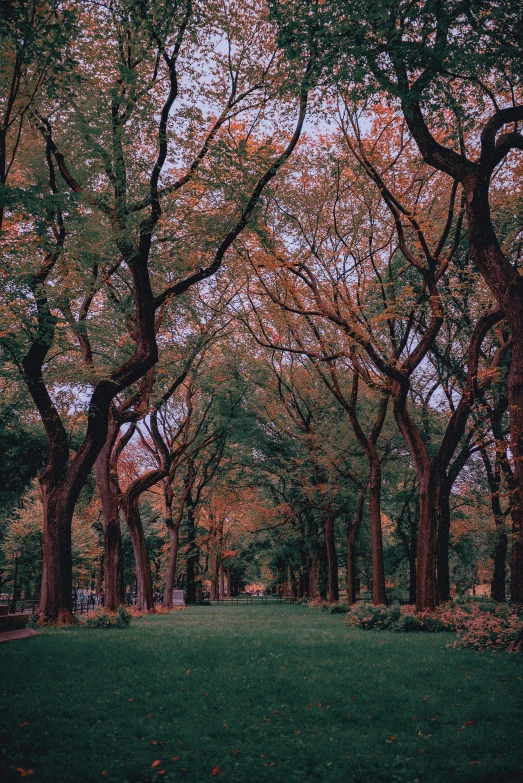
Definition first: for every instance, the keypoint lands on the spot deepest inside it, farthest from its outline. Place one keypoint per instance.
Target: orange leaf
(215, 771)
(175, 758)
(156, 763)
(25, 723)
(24, 772)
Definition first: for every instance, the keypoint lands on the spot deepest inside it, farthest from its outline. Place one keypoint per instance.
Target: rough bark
(108, 492)
(443, 542)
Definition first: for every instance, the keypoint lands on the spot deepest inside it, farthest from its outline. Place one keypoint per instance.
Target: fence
(86, 605)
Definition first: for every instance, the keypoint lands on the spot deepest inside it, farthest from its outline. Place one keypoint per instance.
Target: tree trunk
(351, 567)
(332, 559)
(107, 486)
(443, 543)
(192, 553)
(173, 530)
(379, 596)
(228, 582)
(313, 577)
(57, 569)
(426, 586)
(144, 587)
(221, 581)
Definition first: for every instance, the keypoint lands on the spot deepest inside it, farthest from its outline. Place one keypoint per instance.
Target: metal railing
(248, 600)
(23, 606)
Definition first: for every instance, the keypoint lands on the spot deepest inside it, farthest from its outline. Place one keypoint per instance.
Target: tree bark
(144, 586)
(173, 530)
(443, 543)
(379, 595)
(108, 492)
(192, 552)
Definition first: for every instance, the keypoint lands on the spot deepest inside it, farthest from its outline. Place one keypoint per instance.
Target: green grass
(268, 693)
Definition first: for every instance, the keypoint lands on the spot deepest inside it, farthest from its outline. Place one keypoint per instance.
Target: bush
(339, 609)
(103, 619)
(490, 630)
(475, 625)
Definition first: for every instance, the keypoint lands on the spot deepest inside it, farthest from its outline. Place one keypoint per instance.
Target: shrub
(490, 630)
(367, 616)
(475, 625)
(339, 609)
(407, 622)
(103, 619)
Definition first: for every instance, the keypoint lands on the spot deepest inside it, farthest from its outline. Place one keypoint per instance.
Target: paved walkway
(22, 633)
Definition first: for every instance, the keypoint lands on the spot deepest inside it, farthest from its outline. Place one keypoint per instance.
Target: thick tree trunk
(228, 582)
(57, 571)
(107, 486)
(379, 596)
(426, 585)
(443, 543)
(144, 587)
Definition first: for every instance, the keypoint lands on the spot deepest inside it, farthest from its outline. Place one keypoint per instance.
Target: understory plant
(103, 619)
(474, 624)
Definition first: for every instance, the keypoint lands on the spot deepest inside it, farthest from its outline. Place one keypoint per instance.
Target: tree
(130, 60)
(409, 56)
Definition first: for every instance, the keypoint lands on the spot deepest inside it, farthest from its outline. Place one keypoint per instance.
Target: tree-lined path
(268, 693)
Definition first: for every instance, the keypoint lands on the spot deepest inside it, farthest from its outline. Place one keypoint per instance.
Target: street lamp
(16, 555)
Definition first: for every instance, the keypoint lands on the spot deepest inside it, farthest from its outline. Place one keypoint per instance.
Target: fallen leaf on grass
(156, 763)
(25, 723)
(216, 771)
(236, 751)
(24, 772)
(390, 739)
(175, 758)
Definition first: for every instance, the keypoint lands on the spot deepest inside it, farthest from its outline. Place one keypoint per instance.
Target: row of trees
(309, 330)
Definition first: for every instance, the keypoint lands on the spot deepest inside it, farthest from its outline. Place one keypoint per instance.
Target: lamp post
(16, 555)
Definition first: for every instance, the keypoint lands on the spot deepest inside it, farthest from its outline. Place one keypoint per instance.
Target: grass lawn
(252, 694)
